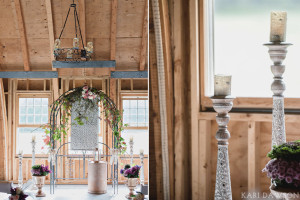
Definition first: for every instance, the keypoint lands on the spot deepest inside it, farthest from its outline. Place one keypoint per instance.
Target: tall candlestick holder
(33, 152)
(142, 177)
(222, 105)
(20, 177)
(278, 53)
(131, 152)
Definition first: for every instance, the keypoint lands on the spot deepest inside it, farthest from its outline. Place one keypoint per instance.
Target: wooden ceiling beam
(82, 20)
(16, 5)
(113, 29)
(143, 53)
(50, 29)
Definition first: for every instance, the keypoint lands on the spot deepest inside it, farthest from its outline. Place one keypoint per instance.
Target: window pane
(45, 109)
(30, 109)
(24, 138)
(125, 103)
(241, 28)
(37, 110)
(135, 112)
(22, 110)
(33, 110)
(37, 119)
(29, 119)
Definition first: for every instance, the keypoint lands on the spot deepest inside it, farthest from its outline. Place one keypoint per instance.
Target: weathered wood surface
(129, 74)
(84, 64)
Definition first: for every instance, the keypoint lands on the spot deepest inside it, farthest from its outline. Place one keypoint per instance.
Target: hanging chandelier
(74, 53)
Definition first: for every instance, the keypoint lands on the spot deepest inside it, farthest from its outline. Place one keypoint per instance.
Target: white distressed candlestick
(20, 177)
(142, 177)
(33, 152)
(278, 53)
(222, 105)
(222, 86)
(131, 151)
(278, 26)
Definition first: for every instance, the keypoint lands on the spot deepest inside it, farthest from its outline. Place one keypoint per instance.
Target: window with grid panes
(33, 112)
(135, 113)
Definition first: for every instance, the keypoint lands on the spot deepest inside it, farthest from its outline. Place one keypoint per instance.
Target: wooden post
(3, 135)
(204, 155)
(254, 169)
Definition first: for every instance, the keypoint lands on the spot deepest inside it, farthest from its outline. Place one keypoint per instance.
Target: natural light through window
(33, 112)
(240, 30)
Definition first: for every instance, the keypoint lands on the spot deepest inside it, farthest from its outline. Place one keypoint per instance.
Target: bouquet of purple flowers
(284, 168)
(131, 172)
(40, 170)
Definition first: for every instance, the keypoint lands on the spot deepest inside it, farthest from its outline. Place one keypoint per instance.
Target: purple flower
(288, 179)
(290, 171)
(122, 171)
(297, 177)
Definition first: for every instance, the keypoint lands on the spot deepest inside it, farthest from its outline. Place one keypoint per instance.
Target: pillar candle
(278, 26)
(131, 138)
(33, 138)
(222, 85)
(20, 152)
(142, 151)
(57, 44)
(75, 43)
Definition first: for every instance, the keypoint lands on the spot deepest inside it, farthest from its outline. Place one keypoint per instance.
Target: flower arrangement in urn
(132, 173)
(39, 172)
(284, 168)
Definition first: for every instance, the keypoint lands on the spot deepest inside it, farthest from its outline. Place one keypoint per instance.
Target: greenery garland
(89, 98)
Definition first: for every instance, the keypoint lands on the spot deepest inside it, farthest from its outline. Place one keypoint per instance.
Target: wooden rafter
(16, 4)
(143, 54)
(50, 28)
(113, 29)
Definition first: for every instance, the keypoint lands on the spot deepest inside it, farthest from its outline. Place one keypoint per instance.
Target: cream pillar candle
(278, 26)
(33, 138)
(141, 151)
(131, 138)
(222, 85)
(76, 43)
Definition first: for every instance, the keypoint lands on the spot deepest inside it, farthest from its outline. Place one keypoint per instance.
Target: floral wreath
(90, 99)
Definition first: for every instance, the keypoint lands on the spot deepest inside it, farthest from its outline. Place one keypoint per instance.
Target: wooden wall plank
(203, 177)
(254, 169)
(29, 74)
(18, 10)
(143, 54)
(113, 29)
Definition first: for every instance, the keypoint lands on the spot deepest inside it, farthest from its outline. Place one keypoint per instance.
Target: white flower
(90, 93)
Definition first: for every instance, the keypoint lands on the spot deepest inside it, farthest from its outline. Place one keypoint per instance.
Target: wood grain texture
(254, 156)
(113, 29)
(143, 54)
(3, 135)
(18, 10)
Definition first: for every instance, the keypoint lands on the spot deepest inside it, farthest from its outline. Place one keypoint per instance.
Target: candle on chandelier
(20, 152)
(57, 44)
(90, 47)
(278, 26)
(141, 151)
(131, 138)
(33, 138)
(222, 85)
(76, 43)
(69, 53)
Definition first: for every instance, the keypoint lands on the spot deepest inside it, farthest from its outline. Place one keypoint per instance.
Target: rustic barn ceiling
(26, 29)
